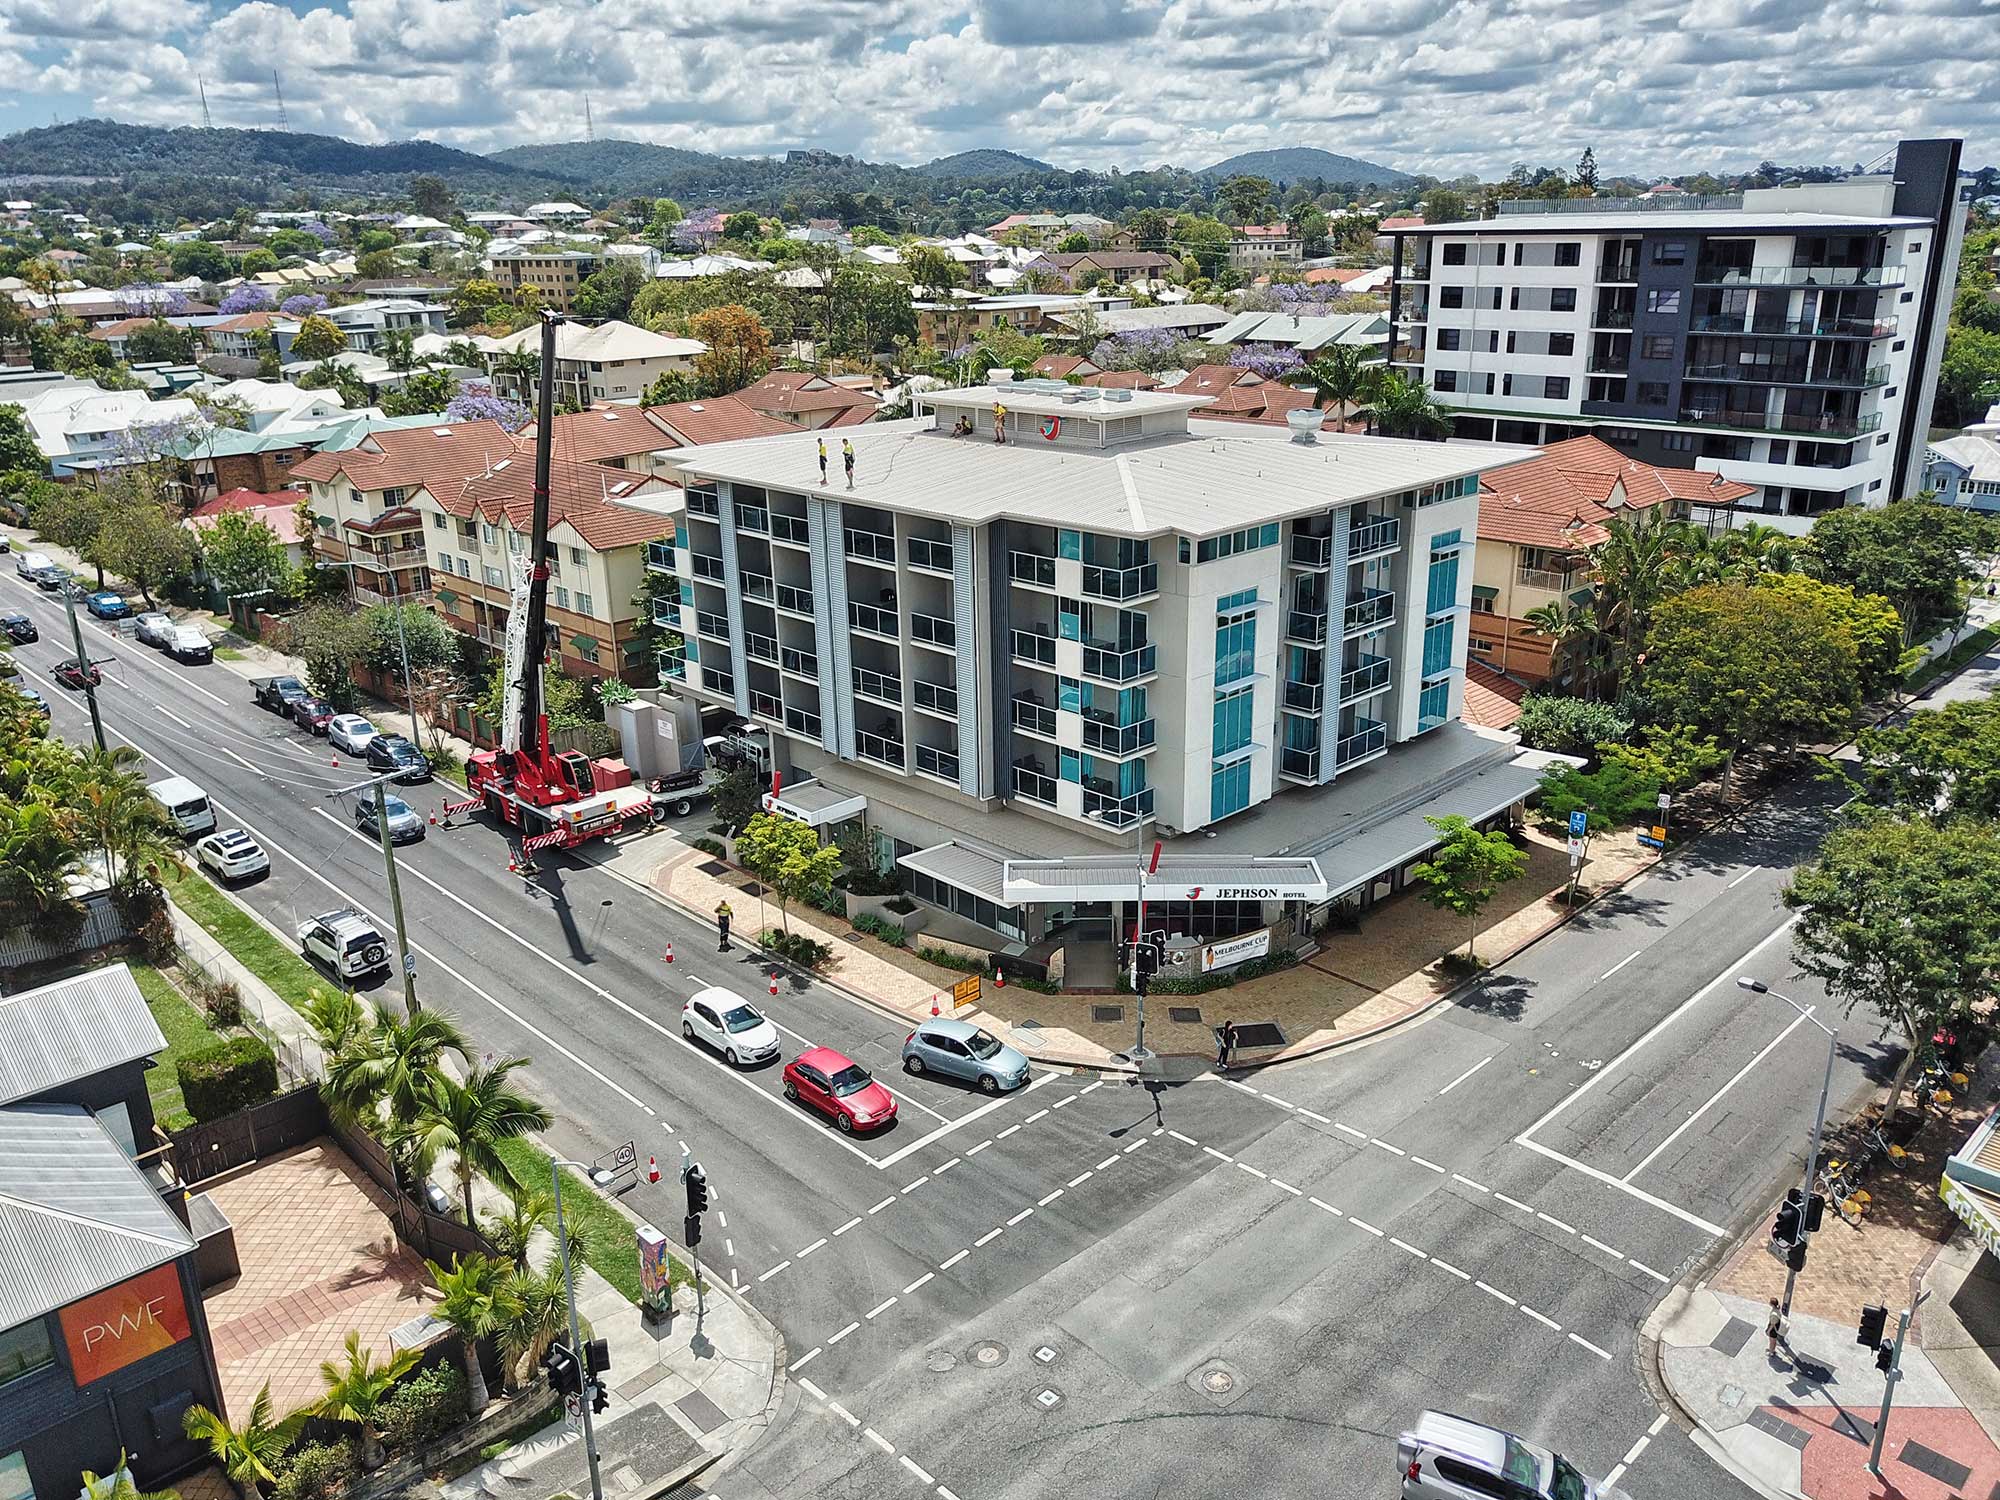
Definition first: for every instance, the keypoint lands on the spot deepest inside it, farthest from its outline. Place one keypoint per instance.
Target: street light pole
(586, 1385)
(1758, 987)
(1138, 1054)
(403, 958)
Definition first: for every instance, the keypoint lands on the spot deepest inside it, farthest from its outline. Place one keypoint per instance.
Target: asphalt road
(1197, 1286)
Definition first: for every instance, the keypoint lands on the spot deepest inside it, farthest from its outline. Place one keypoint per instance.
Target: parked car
(277, 693)
(29, 563)
(839, 1088)
(232, 854)
(51, 579)
(345, 941)
(72, 674)
(35, 700)
(393, 753)
(20, 629)
(188, 644)
(310, 714)
(1450, 1458)
(405, 825)
(958, 1049)
(350, 732)
(107, 604)
(154, 627)
(732, 1026)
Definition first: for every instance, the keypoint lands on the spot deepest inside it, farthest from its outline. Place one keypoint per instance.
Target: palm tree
(472, 1306)
(512, 1231)
(1402, 407)
(38, 854)
(1634, 566)
(120, 1485)
(248, 1453)
(338, 1019)
(355, 1393)
(468, 1121)
(523, 365)
(399, 1057)
(114, 809)
(534, 1313)
(1342, 377)
(1765, 549)
(1575, 641)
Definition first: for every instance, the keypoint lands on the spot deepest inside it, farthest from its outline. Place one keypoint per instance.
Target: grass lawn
(609, 1245)
(1974, 645)
(185, 1028)
(229, 653)
(255, 948)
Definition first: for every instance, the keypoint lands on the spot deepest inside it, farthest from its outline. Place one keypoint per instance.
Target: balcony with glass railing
(801, 721)
(712, 624)
(667, 612)
(760, 647)
(1609, 364)
(940, 763)
(660, 557)
(933, 556)
(873, 619)
(1305, 697)
(1371, 535)
(1033, 646)
(1310, 551)
(1369, 675)
(1032, 568)
(933, 630)
(1374, 609)
(799, 663)
(757, 585)
(1793, 373)
(1307, 626)
(880, 748)
(1301, 765)
(1034, 784)
(1625, 268)
(1369, 736)
(753, 518)
(1034, 716)
(792, 529)
(1108, 737)
(1833, 328)
(1611, 317)
(871, 546)
(1121, 583)
(709, 567)
(767, 705)
(794, 600)
(1831, 424)
(1714, 275)
(1102, 802)
(1106, 662)
(935, 698)
(885, 687)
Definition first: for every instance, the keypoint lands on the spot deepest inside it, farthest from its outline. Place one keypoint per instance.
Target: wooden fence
(251, 1134)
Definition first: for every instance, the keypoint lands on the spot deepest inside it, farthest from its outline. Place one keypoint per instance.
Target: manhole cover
(1105, 1014)
(1045, 1355)
(1218, 1380)
(1048, 1398)
(940, 1360)
(987, 1354)
(852, 937)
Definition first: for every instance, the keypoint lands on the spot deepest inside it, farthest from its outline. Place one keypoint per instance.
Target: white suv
(1450, 1458)
(346, 942)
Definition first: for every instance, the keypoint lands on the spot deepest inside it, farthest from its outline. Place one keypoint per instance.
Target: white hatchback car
(350, 732)
(1452, 1458)
(731, 1025)
(232, 854)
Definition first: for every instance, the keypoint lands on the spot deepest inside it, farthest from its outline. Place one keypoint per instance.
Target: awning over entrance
(961, 867)
(1971, 1184)
(817, 805)
(1113, 877)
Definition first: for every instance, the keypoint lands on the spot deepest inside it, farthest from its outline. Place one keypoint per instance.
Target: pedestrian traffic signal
(1795, 1258)
(1873, 1321)
(600, 1398)
(691, 1230)
(1885, 1354)
(1790, 1215)
(597, 1356)
(697, 1188)
(1815, 1212)
(565, 1375)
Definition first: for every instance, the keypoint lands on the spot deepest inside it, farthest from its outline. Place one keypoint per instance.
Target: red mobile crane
(551, 796)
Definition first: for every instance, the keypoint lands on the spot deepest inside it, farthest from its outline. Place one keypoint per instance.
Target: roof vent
(611, 416)
(696, 406)
(502, 464)
(440, 432)
(1304, 423)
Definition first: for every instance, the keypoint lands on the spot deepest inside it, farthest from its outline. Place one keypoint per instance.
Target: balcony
(1367, 740)
(885, 687)
(871, 546)
(799, 663)
(876, 621)
(1118, 812)
(757, 586)
(1104, 661)
(1115, 739)
(367, 595)
(760, 647)
(1033, 646)
(1303, 765)
(934, 698)
(1305, 697)
(1791, 374)
(1034, 785)
(1619, 270)
(766, 705)
(753, 518)
(1828, 328)
(1032, 568)
(794, 601)
(940, 763)
(710, 568)
(1121, 583)
(1371, 676)
(711, 624)
(1374, 609)
(1612, 317)
(1712, 275)
(1370, 535)
(1606, 364)
(1825, 423)
(667, 612)
(786, 528)
(1556, 582)
(934, 556)
(1311, 551)
(660, 557)
(880, 748)
(933, 630)
(1035, 718)
(1414, 314)
(800, 722)
(1307, 626)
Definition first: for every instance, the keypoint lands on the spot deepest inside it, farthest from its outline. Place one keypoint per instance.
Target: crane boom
(531, 728)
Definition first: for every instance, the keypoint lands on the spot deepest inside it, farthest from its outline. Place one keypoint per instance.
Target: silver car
(1453, 1458)
(958, 1049)
(154, 627)
(405, 825)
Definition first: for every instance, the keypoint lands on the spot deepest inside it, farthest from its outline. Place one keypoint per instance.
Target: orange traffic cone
(668, 956)
(774, 986)
(934, 1003)
(999, 980)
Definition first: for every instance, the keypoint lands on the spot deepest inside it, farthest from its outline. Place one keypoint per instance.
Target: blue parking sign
(1579, 824)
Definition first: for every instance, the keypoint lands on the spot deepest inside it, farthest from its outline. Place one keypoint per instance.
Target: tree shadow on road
(1502, 997)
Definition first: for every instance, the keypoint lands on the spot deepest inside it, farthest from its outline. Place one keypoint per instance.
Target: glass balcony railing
(1612, 317)
(1121, 583)
(925, 553)
(768, 705)
(803, 663)
(799, 721)
(710, 568)
(1373, 535)
(712, 624)
(1033, 568)
(871, 546)
(1618, 270)
(753, 518)
(1116, 811)
(1829, 424)
(1854, 378)
(1311, 551)
(933, 630)
(1117, 739)
(1036, 718)
(797, 601)
(935, 697)
(879, 747)
(1303, 764)
(786, 528)
(1838, 328)
(885, 686)
(1609, 364)
(1713, 275)
(666, 612)
(1035, 785)
(1307, 625)
(1305, 697)
(757, 585)
(868, 617)
(1374, 609)
(660, 556)
(1370, 676)
(1105, 661)
(760, 647)
(1032, 645)
(1366, 740)
(935, 762)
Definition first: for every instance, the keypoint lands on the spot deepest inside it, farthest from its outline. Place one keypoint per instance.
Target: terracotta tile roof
(1491, 700)
(1340, 275)
(718, 419)
(1123, 380)
(242, 499)
(602, 432)
(1060, 366)
(396, 518)
(801, 391)
(118, 329)
(854, 416)
(278, 510)
(1402, 221)
(248, 322)
(1240, 395)
(1563, 495)
(582, 494)
(1264, 232)
(411, 456)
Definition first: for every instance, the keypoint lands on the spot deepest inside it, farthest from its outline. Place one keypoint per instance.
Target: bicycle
(1841, 1186)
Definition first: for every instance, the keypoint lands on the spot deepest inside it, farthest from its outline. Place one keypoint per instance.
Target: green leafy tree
(471, 1304)
(1467, 869)
(244, 556)
(332, 640)
(1578, 645)
(1674, 756)
(257, 261)
(1401, 407)
(533, 1315)
(1968, 374)
(1634, 567)
(670, 386)
(467, 1121)
(199, 258)
(744, 227)
(473, 300)
(739, 349)
(249, 1454)
(1871, 621)
(432, 197)
(735, 798)
(140, 541)
(786, 855)
(511, 1231)
(1586, 169)
(1916, 555)
(1073, 244)
(1248, 199)
(120, 1485)
(159, 342)
(374, 241)
(1940, 763)
(111, 808)
(433, 645)
(1344, 378)
(666, 214)
(421, 392)
(1611, 797)
(318, 338)
(399, 349)
(1898, 916)
(607, 294)
(17, 442)
(71, 516)
(1569, 726)
(356, 1390)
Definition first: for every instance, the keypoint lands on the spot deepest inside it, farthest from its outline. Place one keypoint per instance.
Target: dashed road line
(1024, 1213)
(883, 1204)
(1579, 1339)
(987, 1238)
(1378, 1141)
(816, 1244)
(1406, 1245)
(1109, 1161)
(1185, 1140)
(1245, 1166)
(1447, 1266)
(878, 1440)
(1477, 1187)
(847, 1226)
(1045, 1202)
(1286, 1187)
(875, 1312)
(805, 1359)
(1038, 1114)
(1322, 1203)
(1433, 1166)
(1549, 1322)
(907, 1463)
(1363, 1224)
(772, 1272)
(1313, 1115)
(810, 1389)
(1547, 1219)
(842, 1334)
(1639, 1265)
(1218, 1155)
(1359, 1135)
(1494, 1291)
(1084, 1178)
(1010, 1130)
(843, 1413)
(918, 1183)
(1066, 1099)
(1591, 1239)
(948, 1264)
(943, 1167)
(927, 1276)
(1514, 1203)
(728, 1246)
(945, 1493)
(1281, 1103)
(974, 1151)
(1093, 1088)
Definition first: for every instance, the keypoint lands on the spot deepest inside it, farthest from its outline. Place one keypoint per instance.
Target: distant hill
(616, 167)
(971, 165)
(1298, 163)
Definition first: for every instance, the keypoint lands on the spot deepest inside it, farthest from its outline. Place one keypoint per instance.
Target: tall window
(1433, 703)
(1437, 646)
(1233, 721)
(1228, 789)
(1235, 645)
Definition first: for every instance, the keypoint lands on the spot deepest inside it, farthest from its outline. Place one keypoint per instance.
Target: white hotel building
(1114, 625)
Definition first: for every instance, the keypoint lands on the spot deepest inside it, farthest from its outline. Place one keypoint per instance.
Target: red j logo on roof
(1050, 427)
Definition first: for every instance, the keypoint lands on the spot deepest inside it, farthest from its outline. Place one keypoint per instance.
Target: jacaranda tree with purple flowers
(247, 298)
(1272, 361)
(475, 402)
(304, 302)
(146, 298)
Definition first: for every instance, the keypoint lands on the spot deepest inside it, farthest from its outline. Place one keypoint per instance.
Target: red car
(835, 1085)
(70, 675)
(312, 714)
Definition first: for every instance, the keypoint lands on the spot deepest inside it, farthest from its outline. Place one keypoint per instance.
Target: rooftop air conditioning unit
(1114, 393)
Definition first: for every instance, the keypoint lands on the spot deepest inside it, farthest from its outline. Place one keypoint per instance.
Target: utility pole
(585, 1390)
(1795, 1261)
(404, 958)
(402, 644)
(85, 666)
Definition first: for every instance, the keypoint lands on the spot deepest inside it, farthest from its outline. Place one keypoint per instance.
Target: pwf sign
(114, 1328)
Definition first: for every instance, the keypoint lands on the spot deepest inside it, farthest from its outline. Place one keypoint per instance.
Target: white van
(28, 562)
(185, 803)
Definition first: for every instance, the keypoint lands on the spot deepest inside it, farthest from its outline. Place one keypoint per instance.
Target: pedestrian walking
(1225, 1043)
(722, 916)
(847, 459)
(1774, 1327)
(822, 460)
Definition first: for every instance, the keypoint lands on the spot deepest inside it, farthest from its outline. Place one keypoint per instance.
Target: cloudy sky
(1445, 86)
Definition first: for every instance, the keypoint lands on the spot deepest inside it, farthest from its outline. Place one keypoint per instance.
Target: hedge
(231, 1075)
(797, 948)
(424, 1407)
(316, 1472)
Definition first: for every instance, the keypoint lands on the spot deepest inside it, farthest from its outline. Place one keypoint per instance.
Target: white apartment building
(607, 362)
(1788, 337)
(1107, 619)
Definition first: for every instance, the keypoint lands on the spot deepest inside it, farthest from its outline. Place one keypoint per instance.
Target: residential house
(1261, 246)
(367, 325)
(1108, 267)
(623, 437)
(1308, 335)
(1239, 395)
(240, 337)
(556, 274)
(692, 267)
(82, 429)
(1190, 320)
(278, 510)
(800, 398)
(561, 213)
(1049, 230)
(1064, 367)
(961, 319)
(608, 362)
(1965, 470)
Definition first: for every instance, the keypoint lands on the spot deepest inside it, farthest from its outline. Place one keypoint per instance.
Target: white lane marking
(1085, 1177)
(1311, 1115)
(946, 1265)
(1496, 1292)
(1246, 1088)
(1185, 1140)
(978, 1148)
(847, 1226)
(1286, 1187)
(1219, 1156)
(1632, 1453)
(1709, 1103)
(1467, 1074)
(1066, 1099)
(1135, 1145)
(1477, 1187)
(1377, 1141)
(772, 1272)
(732, 1277)
(1546, 1219)
(1245, 1166)
(1600, 1353)
(1365, 1225)
(912, 1187)
(1281, 1103)
(878, 1440)
(927, 1276)
(728, 1246)
(943, 1167)
(1406, 1245)
(1658, 1422)
(883, 1204)
(172, 715)
(1045, 1202)
(816, 1244)
(1639, 1265)
(1715, 1230)
(1024, 1213)
(921, 1475)
(843, 1413)
(1447, 1266)
(1551, 1322)
(875, 1312)
(1420, 1161)
(808, 1387)
(1007, 1132)
(1514, 1203)
(1322, 1203)
(947, 1494)
(1608, 1250)
(1093, 1088)
(1617, 966)
(1034, 1117)
(805, 1359)
(1741, 878)
(1359, 1135)
(1617, 1473)
(987, 1238)
(842, 1334)
(1109, 1161)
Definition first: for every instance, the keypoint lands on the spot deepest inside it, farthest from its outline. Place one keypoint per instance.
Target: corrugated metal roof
(72, 1029)
(962, 868)
(76, 1216)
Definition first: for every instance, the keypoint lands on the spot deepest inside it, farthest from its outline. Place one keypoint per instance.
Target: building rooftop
(604, 342)
(71, 1029)
(1728, 220)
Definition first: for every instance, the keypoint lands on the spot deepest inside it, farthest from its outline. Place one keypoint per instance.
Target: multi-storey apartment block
(1788, 337)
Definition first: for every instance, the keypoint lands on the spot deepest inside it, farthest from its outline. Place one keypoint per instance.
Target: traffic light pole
(695, 1181)
(1758, 987)
(585, 1391)
(1874, 1464)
